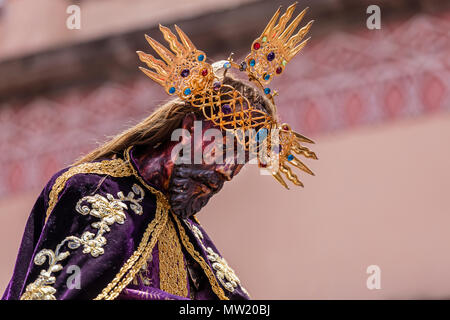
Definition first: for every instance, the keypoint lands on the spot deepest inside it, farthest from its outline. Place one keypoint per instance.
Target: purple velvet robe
(97, 232)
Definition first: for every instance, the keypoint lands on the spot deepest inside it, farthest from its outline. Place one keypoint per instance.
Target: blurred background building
(375, 101)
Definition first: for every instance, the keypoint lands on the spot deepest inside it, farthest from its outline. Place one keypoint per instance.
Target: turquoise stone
(187, 91)
(201, 57)
(172, 90)
(227, 65)
(252, 62)
(290, 157)
(261, 135)
(266, 76)
(267, 90)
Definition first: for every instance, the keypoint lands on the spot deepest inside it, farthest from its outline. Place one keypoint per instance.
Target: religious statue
(120, 222)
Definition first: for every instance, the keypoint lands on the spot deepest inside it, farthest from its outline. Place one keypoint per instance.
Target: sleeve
(76, 250)
(30, 238)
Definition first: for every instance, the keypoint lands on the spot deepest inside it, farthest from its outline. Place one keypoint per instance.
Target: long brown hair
(159, 125)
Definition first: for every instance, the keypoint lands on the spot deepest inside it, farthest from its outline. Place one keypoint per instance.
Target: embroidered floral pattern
(41, 289)
(109, 210)
(226, 276)
(224, 273)
(113, 168)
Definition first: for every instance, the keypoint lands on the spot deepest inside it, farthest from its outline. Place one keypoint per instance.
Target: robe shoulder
(88, 221)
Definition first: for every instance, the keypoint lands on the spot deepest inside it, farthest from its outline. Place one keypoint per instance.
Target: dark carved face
(189, 184)
(192, 185)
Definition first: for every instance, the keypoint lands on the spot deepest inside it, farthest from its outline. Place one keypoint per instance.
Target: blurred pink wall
(34, 25)
(380, 197)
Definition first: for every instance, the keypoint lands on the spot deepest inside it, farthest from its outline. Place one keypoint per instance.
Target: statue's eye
(184, 73)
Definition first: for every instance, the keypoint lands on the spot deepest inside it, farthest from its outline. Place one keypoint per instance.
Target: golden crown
(184, 71)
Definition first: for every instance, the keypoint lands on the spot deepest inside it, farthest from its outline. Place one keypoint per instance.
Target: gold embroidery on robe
(109, 210)
(135, 263)
(114, 168)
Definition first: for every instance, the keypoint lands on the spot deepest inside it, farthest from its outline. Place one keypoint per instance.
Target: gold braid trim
(172, 272)
(190, 248)
(114, 168)
(140, 256)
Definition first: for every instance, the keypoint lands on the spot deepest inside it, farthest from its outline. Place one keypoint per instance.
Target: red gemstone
(279, 70)
(204, 72)
(256, 46)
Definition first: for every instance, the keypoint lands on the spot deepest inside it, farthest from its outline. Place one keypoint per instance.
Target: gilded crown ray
(276, 46)
(184, 71)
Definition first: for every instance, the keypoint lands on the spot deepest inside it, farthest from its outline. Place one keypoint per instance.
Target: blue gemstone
(266, 76)
(227, 65)
(290, 157)
(187, 91)
(172, 90)
(252, 62)
(226, 109)
(261, 135)
(201, 57)
(271, 56)
(267, 90)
